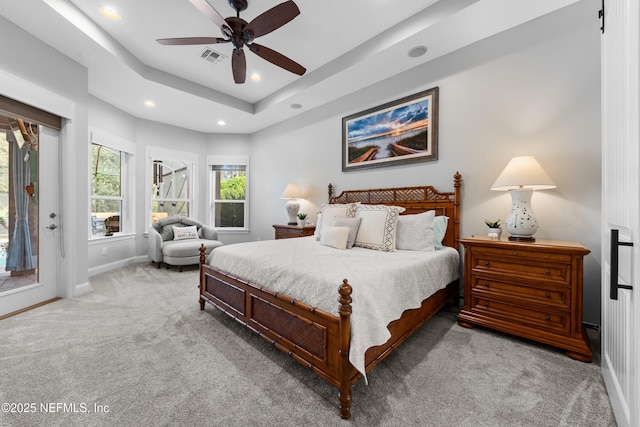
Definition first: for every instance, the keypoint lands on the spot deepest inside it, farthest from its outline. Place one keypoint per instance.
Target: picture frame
(398, 132)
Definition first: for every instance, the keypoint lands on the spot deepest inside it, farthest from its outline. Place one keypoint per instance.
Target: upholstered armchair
(176, 240)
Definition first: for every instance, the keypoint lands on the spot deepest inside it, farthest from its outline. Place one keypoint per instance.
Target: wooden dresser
(533, 290)
(289, 231)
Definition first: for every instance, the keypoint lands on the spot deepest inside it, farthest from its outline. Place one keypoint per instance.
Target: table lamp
(292, 193)
(521, 177)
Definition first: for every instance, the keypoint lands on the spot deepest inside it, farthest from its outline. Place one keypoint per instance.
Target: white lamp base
(292, 208)
(521, 223)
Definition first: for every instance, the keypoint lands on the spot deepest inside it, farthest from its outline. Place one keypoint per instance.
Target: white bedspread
(385, 284)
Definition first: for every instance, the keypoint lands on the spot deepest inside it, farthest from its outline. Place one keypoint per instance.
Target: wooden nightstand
(533, 290)
(289, 231)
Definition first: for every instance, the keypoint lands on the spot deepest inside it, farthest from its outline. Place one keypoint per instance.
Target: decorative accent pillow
(439, 230)
(316, 233)
(167, 232)
(353, 224)
(183, 233)
(330, 211)
(378, 227)
(336, 237)
(415, 232)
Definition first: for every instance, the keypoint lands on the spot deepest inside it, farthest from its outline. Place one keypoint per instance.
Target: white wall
(533, 90)
(53, 77)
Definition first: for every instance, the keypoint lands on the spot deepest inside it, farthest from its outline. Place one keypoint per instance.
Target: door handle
(52, 227)
(613, 266)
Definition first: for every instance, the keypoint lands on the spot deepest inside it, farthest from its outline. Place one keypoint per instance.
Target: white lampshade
(521, 177)
(292, 192)
(523, 172)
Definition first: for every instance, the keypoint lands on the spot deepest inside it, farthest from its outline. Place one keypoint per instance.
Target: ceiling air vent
(211, 55)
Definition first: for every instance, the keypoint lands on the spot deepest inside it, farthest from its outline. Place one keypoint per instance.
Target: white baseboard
(82, 289)
(117, 264)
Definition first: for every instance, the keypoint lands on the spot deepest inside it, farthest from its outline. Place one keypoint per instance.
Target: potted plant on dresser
(494, 227)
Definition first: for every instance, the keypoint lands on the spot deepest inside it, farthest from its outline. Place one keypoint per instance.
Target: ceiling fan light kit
(241, 33)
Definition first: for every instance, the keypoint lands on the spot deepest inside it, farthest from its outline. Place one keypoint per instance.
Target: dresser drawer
(549, 270)
(532, 255)
(551, 319)
(540, 294)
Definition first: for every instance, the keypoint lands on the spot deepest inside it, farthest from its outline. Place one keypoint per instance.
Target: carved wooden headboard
(414, 200)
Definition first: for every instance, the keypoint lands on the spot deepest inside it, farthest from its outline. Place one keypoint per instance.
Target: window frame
(127, 152)
(211, 200)
(159, 154)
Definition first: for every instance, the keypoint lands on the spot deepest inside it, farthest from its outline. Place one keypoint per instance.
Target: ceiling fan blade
(239, 66)
(277, 58)
(272, 19)
(191, 40)
(208, 10)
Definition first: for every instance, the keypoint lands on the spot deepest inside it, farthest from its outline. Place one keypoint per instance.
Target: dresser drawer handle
(515, 252)
(547, 271)
(548, 294)
(486, 263)
(486, 284)
(547, 317)
(486, 304)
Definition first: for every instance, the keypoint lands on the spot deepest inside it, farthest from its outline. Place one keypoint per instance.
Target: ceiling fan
(242, 33)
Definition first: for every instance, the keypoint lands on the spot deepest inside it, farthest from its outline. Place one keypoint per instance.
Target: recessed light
(255, 77)
(221, 122)
(417, 51)
(149, 104)
(296, 106)
(110, 12)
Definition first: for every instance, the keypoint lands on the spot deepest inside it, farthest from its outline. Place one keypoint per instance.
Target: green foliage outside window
(105, 171)
(233, 188)
(105, 178)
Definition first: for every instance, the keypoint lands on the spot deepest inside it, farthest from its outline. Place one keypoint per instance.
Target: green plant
(302, 216)
(492, 224)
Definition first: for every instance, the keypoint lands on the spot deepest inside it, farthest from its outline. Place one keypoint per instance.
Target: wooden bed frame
(315, 338)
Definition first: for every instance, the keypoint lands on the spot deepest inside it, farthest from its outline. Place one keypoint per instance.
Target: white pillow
(316, 233)
(336, 237)
(378, 227)
(415, 232)
(330, 211)
(182, 233)
(353, 224)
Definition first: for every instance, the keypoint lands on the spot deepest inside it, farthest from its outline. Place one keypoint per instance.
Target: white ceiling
(345, 45)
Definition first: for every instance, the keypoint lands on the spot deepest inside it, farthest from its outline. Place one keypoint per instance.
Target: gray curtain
(19, 253)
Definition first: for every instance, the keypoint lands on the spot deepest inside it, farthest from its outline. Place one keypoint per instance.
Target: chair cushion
(187, 248)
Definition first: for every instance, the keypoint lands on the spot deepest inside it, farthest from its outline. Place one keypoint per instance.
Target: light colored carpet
(140, 345)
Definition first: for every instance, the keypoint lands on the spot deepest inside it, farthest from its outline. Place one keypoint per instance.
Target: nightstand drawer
(540, 294)
(538, 269)
(528, 255)
(551, 319)
(292, 231)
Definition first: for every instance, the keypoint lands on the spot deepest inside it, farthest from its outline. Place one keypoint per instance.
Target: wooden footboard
(316, 339)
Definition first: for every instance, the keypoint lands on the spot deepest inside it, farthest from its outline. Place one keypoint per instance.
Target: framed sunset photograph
(401, 131)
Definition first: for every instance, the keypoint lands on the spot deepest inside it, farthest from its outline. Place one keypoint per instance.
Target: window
(229, 207)
(171, 189)
(106, 190)
(111, 193)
